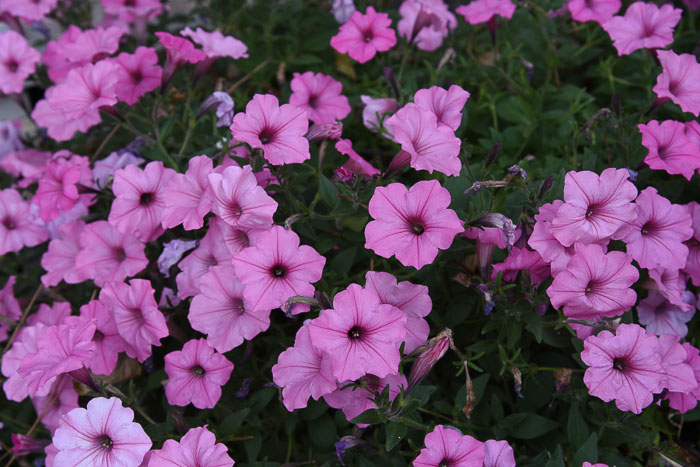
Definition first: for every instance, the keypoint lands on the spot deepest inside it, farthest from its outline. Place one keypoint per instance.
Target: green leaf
(528, 425)
(557, 459)
(253, 446)
(395, 432)
(342, 262)
(533, 323)
(588, 452)
(329, 193)
(232, 422)
(370, 417)
(576, 427)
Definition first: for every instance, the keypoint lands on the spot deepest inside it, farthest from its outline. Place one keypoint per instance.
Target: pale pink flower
(671, 284)
(179, 51)
(488, 238)
(411, 224)
(18, 226)
(669, 148)
(34, 10)
(17, 61)
(52, 315)
(108, 255)
(277, 268)
(320, 95)
(197, 448)
(680, 80)
(139, 204)
(431, 146)
(596, 207)
(59, 259)
(26, 164)
(342, 10)
(355, 400)
(595, 284)
(656, 238)
(103, 170)
(277, 130)
(172, 254)
(9, 306)
(103, 435)
(375, 111)
(63, 348)
(61, 399)
(625, 367)
(108, 342)
(599, 11)
(356, 163)
(85, 90)
(220, 311)
(679, 375)
(522, 259)
(238, 199)
(425, 23)
(15, 387)
(133, 10)
(361, 334)
(498, 454)
(196, 374)
(447, 104)
(692, 267)
(659, 316)
(185, 197)
(58, 126)
(482, 11)
(58, 188)
(138, 74)
(364, 35)
(688, 400)
(214, 44)
(303, 371)
(224, 108)
(447, 446)
(139, 321)
(412, 299)
(644, 26)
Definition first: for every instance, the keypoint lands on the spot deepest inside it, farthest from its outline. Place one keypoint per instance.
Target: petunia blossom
(9, 306)
(363, 35)
(644, 26)
(361, 334)
(446, 104)
(61, 399)
(108, 342)
(447, 446)
(625, 367)
(599, 11)
(215, 45)
(483, 11)
(179, 51)
(103, 434)
(196, 374)
(277, 130)
(238, 199)
(220, 311)
(186, 196)
(375, 111)
(687, 400)
(671, 284)
(680, 80)
(692, 267)
(59, 259)
(320, 95)
(277, 268)
(669, 148)
(35, 10)
(354, 400)
(522, 259)
(138, 74)
(17, 61)
(431, 146)
(411, 224)
(425, 23)
(198, 447)
(498, 454)
(58, 188)
(659, 316)
(356, 164)
(679, 375)
(18, 226)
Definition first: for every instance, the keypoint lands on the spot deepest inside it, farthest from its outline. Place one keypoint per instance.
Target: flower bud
(429, 355)
(23, 444)
(325, 131)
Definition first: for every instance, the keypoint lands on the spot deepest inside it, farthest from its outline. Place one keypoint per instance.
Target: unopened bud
(320, 131)
(429, 355)
(545, 187)
(180, 423)
(23, 444)
(400, 160)
(493, 153)
(224, 108)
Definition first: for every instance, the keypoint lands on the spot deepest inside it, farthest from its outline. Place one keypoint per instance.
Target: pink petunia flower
(412, 299)
(659, 316)
(238, 199)
(18, 226)
(10, 139)
(52, 315)
(425, 23)
(355, 400)
(671, 284)
(215, 45)
(303, 371)
(320, 95)
(86, 89)
(595, 284)
(102, 434)
(108, 342)
(656, 238)
(375, 111)
(644, 26)
(179, 51)
(59, 259)
(9, 306)
(138, 74)
(61, 349)
(669, 148)
(197, 447)
(688, 400)
(108, 255)
(58, 188)
(135, 311)
(58, 126)
(28, 165)
(411, 224)
(220, 311)
(139, 204)
(361, 334)
(61, 399)
(599, 11)
(680, 80)
(522, 259)
(483, 11)
(625, 367)
(103, 170)
(15, 387)
(35, 10)
(196, 374)
(692, 267)
(364, 35)
(447, 446)
(186, 197)
(596, 207)
(447, 104)
(356, 164)
(278, 131)
(498, 454)
(277, 268)
(17, 61)
(431, 146)
(679, 375)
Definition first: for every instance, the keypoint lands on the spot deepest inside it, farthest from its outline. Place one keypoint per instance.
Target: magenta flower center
(136, 77)
(313, 101)
(620, 364)
(237, 305)
(198, 370)
(98, 337)
(146, 199)
(278, 271)
(9, 223)
(12, 65)
(590, 211)
(105, 442)
(417, 226)
(211, 261)
(266, 136)
(119, 254)
(649, 228)
(355, 332)
(368, 35)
